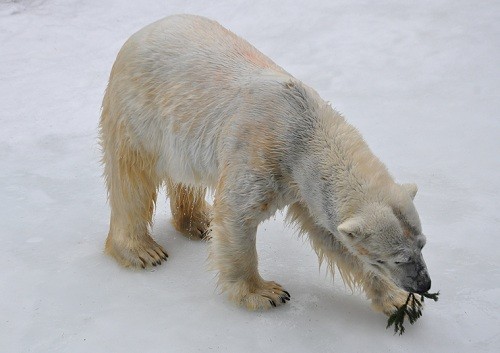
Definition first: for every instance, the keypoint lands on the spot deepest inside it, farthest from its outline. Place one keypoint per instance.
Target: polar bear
(192, 106)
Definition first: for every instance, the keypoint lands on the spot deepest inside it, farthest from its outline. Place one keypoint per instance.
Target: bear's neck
(338, 173)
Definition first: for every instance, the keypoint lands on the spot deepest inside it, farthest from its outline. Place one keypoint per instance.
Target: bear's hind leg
(190, 211)
(132, 187)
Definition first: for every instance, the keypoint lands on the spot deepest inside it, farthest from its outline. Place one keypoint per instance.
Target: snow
(419, 79)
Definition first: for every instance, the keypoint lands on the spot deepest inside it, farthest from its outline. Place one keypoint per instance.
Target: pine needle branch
(412, 309)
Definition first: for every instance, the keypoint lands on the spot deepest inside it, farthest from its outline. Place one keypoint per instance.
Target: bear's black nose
(423, 286)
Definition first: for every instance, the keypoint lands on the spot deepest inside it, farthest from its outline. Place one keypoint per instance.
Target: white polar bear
(193, 106)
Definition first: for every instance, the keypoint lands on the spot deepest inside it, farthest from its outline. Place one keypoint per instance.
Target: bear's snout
(423, 285)
(417, 279)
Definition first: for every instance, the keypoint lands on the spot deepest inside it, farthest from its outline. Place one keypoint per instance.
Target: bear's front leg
(385, 296)
(233, 253)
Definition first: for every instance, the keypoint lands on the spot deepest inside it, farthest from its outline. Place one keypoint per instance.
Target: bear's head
(387, 237)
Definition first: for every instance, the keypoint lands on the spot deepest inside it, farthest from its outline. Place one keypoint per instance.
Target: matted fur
(193, 106)
(190, 212)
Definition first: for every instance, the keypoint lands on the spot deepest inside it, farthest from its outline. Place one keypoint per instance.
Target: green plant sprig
(412, 308)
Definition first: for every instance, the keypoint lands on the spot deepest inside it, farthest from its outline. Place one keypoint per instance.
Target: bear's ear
(410, 189)
(351, 227)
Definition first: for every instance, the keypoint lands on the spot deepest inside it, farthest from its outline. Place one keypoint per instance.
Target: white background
(419, 79)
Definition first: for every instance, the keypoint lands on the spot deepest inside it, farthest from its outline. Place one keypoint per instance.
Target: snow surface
(419, 79)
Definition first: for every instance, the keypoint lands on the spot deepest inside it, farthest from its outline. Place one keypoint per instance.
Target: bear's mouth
(414, 279)
(420, 285)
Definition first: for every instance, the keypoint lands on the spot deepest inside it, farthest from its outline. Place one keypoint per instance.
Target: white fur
(192, 104)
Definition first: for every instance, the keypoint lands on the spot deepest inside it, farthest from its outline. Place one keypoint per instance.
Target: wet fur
(192, 106)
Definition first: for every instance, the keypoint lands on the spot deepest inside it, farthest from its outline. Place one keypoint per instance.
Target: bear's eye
(402, 261)
(405, 262)
(380, 262)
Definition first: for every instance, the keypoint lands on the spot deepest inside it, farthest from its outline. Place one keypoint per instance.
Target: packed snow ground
(419, 79)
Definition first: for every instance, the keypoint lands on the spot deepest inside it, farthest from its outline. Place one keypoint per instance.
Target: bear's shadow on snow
(175, 243)
(332, 303)
(339, 308)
